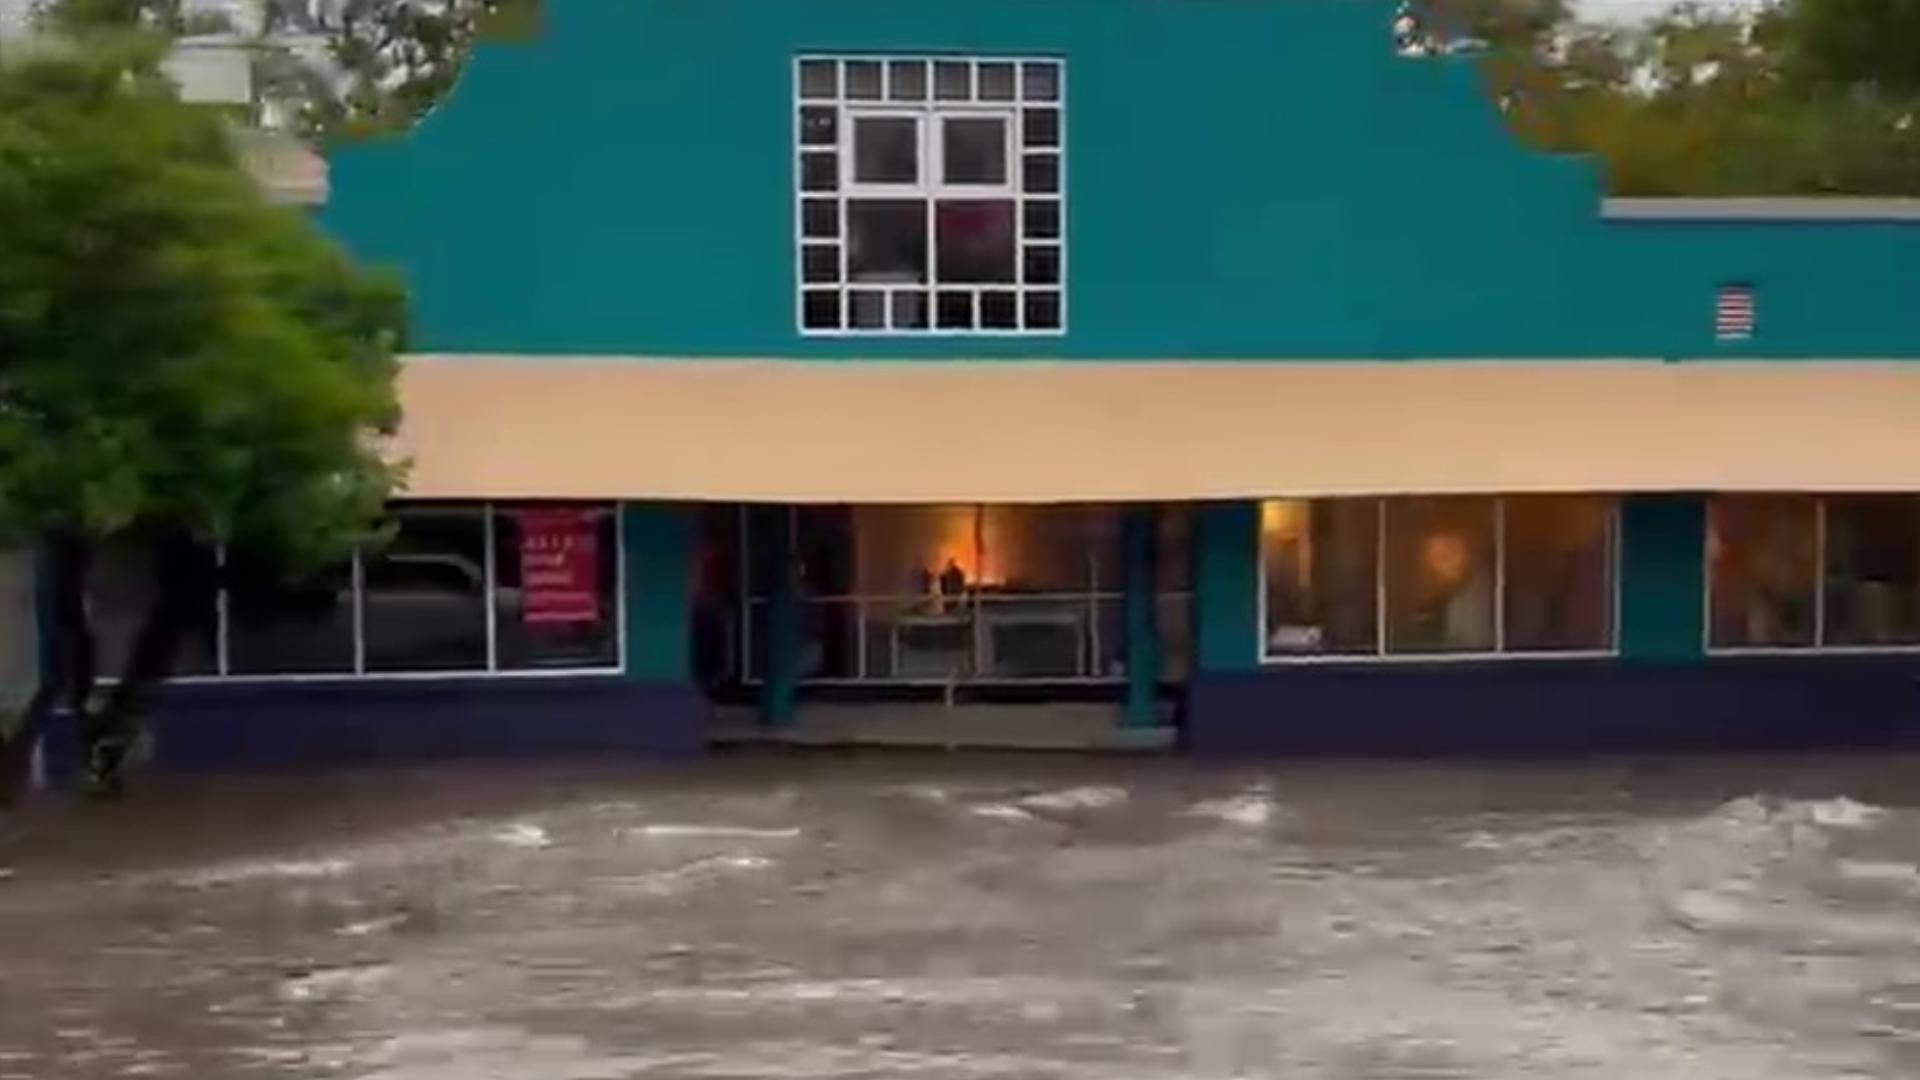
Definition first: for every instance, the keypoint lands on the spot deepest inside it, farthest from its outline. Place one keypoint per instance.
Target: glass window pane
(907, 80)
(867, 310)
(909, 310)
(555, 587)
(1042, 219)
(952, 80)
(955, 311)
(886, 150)
(1049, 549)
(1559, 587)
(1043, 311)
(887, 241)
(863, 80)
(1321, 561)
(1873, 570)
(1043, 266)
(121, 592)
(820, 218)
(819, 171)
(1040, 81)
(976, 240)
(1440, 574)
(1042, 127)
(820, 309)
(926, 551)
(999, 311)
(819, 125)
(820, 263)
(1042, 176)
(996, 82)
(426, 599)
(1761, 561)
(974, 150)
(819, 79)
(280, 627)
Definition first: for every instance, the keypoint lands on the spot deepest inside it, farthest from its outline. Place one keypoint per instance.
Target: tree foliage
(180, 362)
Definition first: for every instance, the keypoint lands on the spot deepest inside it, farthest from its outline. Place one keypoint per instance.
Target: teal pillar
(1662, 577)
(1226, 587)
(779, 643)
(1143, 637)
(659, 544)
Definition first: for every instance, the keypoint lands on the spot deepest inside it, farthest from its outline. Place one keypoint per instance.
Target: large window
(1795, 571)
(930, 195)
(457, 589)
(1436, 576)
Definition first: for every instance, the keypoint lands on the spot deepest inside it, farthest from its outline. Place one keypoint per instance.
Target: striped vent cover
(1733, 313)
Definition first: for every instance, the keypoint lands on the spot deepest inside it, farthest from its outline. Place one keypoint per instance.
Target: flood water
(893, 916)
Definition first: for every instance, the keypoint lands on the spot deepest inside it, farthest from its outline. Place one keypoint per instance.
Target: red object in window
(559, 566)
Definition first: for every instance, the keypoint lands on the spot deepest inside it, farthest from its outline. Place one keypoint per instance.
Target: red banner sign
(559, 566)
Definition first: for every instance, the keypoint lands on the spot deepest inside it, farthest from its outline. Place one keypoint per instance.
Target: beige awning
(1005, 431)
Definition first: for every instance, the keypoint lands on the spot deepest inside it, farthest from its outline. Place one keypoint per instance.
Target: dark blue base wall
(200, 727)
(1557, 707)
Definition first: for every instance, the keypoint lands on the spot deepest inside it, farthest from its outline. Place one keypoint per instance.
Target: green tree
(181, 363)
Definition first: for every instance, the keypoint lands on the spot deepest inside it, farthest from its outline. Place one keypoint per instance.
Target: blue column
(1143, 636)
(1226, 587)
(659, 544)
(1662, 576)
(771, 548)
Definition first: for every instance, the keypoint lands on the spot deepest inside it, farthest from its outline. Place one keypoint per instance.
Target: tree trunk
(181, 584)
(67, 670)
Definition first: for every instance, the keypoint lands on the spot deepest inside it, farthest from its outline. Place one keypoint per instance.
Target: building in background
(1207, 366)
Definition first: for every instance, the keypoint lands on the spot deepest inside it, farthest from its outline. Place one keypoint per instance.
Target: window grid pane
(871, 128)
(1762, 571)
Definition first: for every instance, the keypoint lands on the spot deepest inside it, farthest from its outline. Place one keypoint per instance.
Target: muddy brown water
(899, 915)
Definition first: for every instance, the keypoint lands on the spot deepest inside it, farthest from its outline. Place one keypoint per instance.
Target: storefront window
(276, 627)
(1321, 558)
(1761, 551)
(1872, 571)
(426, 593)
(1559, 573)
(120, 597)
(555, 586)
(1440, 575)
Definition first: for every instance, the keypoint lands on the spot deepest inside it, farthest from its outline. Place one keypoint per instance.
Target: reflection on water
(978, 916)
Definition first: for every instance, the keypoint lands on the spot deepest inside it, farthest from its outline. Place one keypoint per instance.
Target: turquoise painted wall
(1226, 586)
(1246, 178)
(1662, 576)
(659, 547)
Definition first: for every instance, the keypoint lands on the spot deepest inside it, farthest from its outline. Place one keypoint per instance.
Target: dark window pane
(820, 309)
(886, 150)
(1319, 558)
(555, 597)
(121, 592)
(426, 596)
(1041, 82)
(1042, 174)
(819, 171)
(974, 150)
(1043, 311)
(996, 82)
(1559, 576)
(1043, 127)
(907, 80)
(819, 125)
(820, 218)
(863, 80)
(952, 80)
(1440, 575)
(1043, 266)
(1873, 570)
(820, 264)
(818, 79)
(999, 311)
(976, 240)
(1043, 219)
(887, 241)
(277, 627)
(956, 311)
(909, 311)
(867, 310)
(1762, 570)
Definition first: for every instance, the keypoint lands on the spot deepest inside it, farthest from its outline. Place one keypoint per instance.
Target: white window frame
(1380, 655)
(357, 575)
(1819, 644)
(933, 113)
